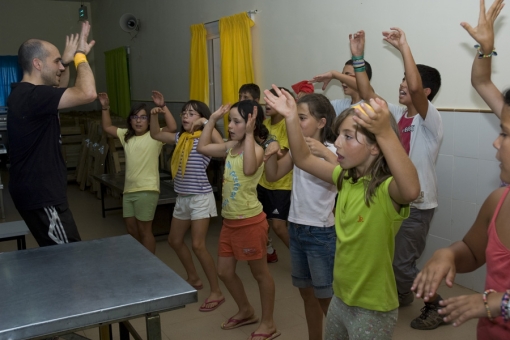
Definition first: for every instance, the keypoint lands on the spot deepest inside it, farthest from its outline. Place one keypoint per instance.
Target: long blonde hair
(378, 171)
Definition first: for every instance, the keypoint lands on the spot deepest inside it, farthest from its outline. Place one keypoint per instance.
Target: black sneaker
(405, 299)
(429, 318)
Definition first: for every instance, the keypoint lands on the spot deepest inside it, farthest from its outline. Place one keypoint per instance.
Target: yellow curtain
(236, 61)
(198, 66)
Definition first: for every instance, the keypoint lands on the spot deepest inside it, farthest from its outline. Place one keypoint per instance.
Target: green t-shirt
(363, 272)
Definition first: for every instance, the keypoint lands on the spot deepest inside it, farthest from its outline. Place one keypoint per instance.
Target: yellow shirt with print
(279, 130)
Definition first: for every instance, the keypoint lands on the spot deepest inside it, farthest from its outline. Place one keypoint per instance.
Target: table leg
(103, 192)
(21, 242)
(105, 332)
(123, 331)
(153, 326)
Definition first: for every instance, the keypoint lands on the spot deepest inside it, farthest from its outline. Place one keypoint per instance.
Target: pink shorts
(244, 239)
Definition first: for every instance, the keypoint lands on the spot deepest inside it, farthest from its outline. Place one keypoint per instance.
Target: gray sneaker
(429, 318)
(405, 299)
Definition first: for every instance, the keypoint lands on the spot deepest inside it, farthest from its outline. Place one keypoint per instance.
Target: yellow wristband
(79, 58)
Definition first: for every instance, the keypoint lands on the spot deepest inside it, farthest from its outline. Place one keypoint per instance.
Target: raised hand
(158, 98)
(103, 99)
(283, 102)
(83, 45)
(220, 112)
(272, 148)
(357, 42)
(316, 147)
(324, 78)
(156, 110)
(395, 37)
(70, 50)
(484, 32)
(440, 266)
(375, 118)
(250, 124)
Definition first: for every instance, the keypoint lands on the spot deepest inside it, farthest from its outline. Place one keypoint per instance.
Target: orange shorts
(244, 239)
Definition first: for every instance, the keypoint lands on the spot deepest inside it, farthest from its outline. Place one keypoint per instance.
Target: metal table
(167, 194)
(59, 289)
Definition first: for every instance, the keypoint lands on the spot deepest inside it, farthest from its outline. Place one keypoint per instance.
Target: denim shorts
(312, 255)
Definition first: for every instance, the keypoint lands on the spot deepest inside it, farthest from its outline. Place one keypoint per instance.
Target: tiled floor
(189, 323)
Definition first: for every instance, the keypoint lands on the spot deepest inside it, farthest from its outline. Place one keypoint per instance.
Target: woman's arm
(156, 132)
(277, 168)
(205, 143)
(106, 120)
(159, 101)
(253, 154)
(286, 106)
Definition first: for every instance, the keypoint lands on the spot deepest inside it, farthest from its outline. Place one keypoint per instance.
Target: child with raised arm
(311, 230)
(376, 181)
(195, 204)
(488, 240)
(141, 188)
(421, 133)
(243, 235)
(348, 79)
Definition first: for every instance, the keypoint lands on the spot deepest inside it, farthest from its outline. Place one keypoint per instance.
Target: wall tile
(446, 147)
(442, 221)
(466, 134)
(463, 217)
(465, 171)
(444, 173)
(488, 131)
(488, 179)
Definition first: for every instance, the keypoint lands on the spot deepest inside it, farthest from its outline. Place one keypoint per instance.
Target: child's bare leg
(176, 240)
(146, 235)
(260, 272)
(324, 305)
(132, 227)
(227, 274)
(198, 234)
(313, 312)
(280, 228)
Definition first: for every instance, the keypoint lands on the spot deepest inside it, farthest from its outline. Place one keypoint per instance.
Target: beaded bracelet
(484, 296)
(481, 55)
(505, 306)
(268, 141)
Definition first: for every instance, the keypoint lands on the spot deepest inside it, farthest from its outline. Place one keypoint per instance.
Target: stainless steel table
(59, 289)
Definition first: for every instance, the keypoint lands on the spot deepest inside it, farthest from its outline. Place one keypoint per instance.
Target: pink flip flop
(271, 336)
(238, 323)
(210, 309)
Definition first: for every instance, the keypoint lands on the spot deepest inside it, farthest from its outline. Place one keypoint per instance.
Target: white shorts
(195, 207)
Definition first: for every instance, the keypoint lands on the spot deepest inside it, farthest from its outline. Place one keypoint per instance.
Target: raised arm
(155, 130)
(206, 146)
(67, 58)
(106, 120)
(159, 101)
(405, 186)
(357, 43)
(481, 70)
(326, 77)
(397, 38)
(253, 155)
(84, 89)
(277, 168)
(286, 106)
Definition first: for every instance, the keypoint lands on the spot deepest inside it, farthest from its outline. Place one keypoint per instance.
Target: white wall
(467, 173)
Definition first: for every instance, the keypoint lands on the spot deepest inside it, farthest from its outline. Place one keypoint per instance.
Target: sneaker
(272, 258)
(405, 299)
(429, 318)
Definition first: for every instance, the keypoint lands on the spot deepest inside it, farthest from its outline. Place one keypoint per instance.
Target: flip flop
(199, 287)
(271, 336)
(239, 323)
(210, 309)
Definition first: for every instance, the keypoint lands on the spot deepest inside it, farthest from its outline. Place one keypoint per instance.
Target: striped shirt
(195, 179)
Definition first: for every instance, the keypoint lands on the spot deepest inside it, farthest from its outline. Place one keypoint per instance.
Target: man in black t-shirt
(38, 175)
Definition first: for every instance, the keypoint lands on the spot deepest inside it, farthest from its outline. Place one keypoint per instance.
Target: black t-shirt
(38, 175)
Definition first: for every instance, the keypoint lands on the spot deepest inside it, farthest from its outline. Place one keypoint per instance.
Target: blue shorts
(312, 255)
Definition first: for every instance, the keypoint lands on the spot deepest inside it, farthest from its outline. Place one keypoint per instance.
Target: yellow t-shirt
(142, 162)
(279, 130)
(239, 191)
(363, 271)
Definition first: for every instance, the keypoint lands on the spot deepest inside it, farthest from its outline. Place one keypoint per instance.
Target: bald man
(38, 174)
